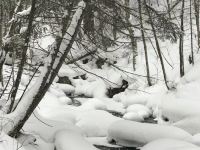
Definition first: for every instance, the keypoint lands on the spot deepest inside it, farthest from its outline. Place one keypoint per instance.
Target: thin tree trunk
(168, 8)
(23, 57)
(157, 45)
(131, 34)
(59, 52)
(144, 43)
(196, 8)
(2, 53)
(191, 34)
(181, 52)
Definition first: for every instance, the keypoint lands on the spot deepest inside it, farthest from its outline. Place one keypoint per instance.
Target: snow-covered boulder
(70, 140)
(178, 109)
(128, 100)
(137, 112)
(190, 124)
(134, 134)
(95, 123)
(170, 144)
(65, 100)
(66, 88)
(133, 116)
(93, 104)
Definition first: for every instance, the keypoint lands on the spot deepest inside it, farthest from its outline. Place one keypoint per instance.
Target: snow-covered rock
(66, 88)
(130, 99)
(93, 104)
(134, 134)
(170, 144)
(133, 116)
(65, 100)
(95, 123)
(141, 110)
(70, 140)
(190, 124)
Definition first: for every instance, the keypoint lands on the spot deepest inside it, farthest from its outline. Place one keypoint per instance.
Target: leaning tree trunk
(31, 99)
(144, 43)
(157, 45)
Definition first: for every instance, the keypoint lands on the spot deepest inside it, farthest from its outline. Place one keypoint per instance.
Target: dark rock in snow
(64, 80)
(113, 91)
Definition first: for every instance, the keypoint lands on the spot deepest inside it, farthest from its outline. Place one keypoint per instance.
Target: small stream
(115, 148)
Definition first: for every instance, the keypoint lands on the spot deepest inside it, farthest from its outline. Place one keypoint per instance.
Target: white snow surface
(170, 144)
(8, 143)
(130, 133)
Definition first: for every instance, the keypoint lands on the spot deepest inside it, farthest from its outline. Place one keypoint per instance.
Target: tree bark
(144, 43)
(196, 8)
(2, 53)
(191, 34)
(23, 57)
(181, 52)
(157, 45)
(131, 35)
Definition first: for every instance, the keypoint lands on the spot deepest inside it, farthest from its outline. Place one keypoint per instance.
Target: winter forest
(100, 74)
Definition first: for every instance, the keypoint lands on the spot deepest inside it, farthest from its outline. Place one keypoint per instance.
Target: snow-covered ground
(59, 122)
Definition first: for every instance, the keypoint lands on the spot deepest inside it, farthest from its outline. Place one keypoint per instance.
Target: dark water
(115, 148)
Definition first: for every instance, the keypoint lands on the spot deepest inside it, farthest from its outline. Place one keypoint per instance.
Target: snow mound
(178, 109)
(170, 144)
(95, 123)
(190, 124)
(66, 88)
(47, 128)
(70, 140)
(65, 100)
(133, 116)
(95, 89)
(93, 104)
(130, 99)
(134, 134)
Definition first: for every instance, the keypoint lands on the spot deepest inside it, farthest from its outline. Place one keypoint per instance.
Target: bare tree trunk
(196, 8)
(157, 45)
(88, 20)
(53, 63)
(131, 34)
(168, 8)
(144, 43)
(23, 57)
(191, 34)
(181, 52)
